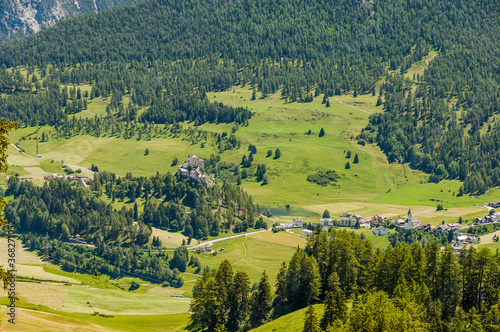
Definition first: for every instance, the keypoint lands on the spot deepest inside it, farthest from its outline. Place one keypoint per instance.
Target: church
(411, 221)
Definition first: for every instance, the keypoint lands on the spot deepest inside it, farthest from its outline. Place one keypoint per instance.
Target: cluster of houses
(377, 224)
(83, 179)
(194, 169)
(488, 219)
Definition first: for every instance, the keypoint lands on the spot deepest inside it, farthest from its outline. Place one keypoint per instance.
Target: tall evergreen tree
(260, 302)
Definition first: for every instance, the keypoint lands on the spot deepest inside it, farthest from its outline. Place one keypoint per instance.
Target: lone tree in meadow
(321, 132)
(269, 153)
(328, 103)
(277, 153)
(356, 159)
(348, 155)
(326, 214)
(347, 165)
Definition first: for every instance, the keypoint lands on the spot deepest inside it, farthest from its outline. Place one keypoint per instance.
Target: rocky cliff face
(23, 17)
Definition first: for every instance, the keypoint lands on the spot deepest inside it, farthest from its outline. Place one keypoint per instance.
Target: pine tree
(335, 303)
(328, 103)
(238, 301)
(347, 165)
(379, 100)
(356, 159)
(260, 302)
(321, 132)
(311, 321)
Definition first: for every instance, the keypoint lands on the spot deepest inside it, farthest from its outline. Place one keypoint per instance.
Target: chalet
(306, 233)
(297, 223)
(326, 222)
(203, 249)
(448, 228)
(495, 204)
(278, 228)
(380, 230)
(377, 220)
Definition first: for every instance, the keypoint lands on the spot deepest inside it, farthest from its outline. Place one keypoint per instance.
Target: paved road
(211, 242)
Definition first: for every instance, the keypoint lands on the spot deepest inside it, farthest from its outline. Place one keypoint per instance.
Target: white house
(380, 230)
(306, 233)
(326, 222)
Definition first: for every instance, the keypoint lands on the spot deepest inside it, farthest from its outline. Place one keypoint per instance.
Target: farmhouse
(495, 204)
(380, 230)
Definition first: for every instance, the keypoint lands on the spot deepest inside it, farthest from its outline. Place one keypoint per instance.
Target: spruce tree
(347, 165)
(260, 302)
(311, 321)
(335, 303)
(356, 159)
(321, 132)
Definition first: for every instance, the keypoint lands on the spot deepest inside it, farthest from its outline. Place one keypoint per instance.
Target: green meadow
(251, 255)
(372, 186)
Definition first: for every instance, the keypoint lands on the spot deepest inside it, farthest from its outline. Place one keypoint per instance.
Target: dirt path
(19, 150)
(245, 254)
(211, 242)
(359, 109)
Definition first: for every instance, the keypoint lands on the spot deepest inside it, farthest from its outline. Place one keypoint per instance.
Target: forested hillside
(165, 55)
(25, 17)
(406, 288)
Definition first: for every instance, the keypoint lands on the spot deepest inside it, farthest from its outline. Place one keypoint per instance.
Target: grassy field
(251, 255)
(275, 124)
(293, 322)
(169, 239)
(38, 321)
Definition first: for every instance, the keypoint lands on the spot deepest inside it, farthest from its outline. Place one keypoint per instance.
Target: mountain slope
(25, 17)
(159, 51)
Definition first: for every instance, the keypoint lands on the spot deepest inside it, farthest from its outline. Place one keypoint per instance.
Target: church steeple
(409, 216)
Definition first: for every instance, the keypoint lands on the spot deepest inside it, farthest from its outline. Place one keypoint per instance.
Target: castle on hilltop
(194, 169)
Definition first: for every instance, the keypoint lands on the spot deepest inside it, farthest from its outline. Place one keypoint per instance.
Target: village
(380, 225)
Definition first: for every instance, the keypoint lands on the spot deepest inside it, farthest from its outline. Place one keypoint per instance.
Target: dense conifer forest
(406, 288)
(65, 211)
(167, 54)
